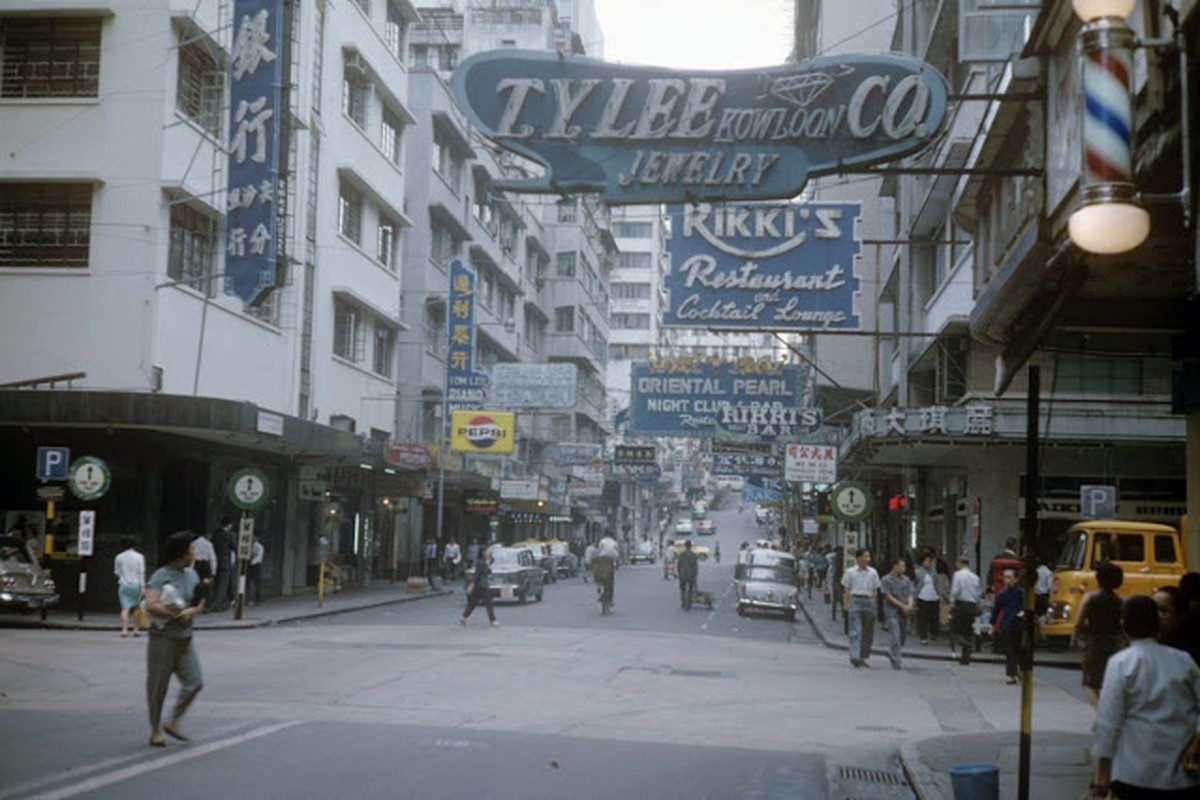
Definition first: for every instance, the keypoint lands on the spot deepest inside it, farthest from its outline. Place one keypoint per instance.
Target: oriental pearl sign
(652, 135)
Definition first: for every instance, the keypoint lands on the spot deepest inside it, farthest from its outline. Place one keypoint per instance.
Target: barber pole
(1108, 117)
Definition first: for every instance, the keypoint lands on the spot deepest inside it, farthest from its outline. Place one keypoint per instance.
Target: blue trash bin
(975, 781)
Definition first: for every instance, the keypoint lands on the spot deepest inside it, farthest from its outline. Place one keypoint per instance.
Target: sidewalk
(274, 611)
(1060, 766)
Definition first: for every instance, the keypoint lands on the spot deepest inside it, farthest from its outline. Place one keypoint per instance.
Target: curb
(920, 777)
(232, 625)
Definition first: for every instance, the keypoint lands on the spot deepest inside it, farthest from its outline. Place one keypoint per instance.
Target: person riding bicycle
(688, 569)
(608, 552)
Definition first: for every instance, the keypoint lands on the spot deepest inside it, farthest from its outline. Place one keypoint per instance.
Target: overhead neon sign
(653, 135)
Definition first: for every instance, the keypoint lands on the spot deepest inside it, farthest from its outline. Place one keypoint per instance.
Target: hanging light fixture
(1108, 218)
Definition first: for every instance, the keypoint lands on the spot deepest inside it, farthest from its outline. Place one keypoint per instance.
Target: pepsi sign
(638, 134)
(482, 432)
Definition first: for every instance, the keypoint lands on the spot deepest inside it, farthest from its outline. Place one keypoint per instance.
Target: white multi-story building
(112, 257)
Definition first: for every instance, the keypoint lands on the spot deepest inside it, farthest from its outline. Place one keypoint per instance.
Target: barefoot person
(170, 594)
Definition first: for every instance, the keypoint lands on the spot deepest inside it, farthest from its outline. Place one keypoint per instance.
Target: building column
(1191, 536)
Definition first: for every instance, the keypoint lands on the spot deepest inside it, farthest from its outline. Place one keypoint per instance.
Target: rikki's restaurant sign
(654, 135)
(755, 401)
(775, 266)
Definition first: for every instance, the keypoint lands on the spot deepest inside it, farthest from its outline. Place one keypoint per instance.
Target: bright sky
(697, 34)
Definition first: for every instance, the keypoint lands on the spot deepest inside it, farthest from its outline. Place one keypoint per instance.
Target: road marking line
(37, 783)
(100, 781)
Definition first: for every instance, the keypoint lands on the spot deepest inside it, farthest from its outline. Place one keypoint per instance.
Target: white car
(684, 526)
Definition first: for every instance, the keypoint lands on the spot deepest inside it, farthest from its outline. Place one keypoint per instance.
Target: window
(266, 311)
(347, 331)
(1079, 374)
(49, 57)
(565, 267)
(200, 86)
(342, 422)
(356, 92)
(487, 288)
(566, 211)
(45, 224)
(564, 319)
(447, 57)
(385, 348)
(390, 129)
(435, 329)
(420, 56)
(444, 244)
(633, 230)
(630, 322)
(314, 174)
(635, 260)
(1118, 547)
(508, 304)
(395, 31)
(535, 332)
(318, 59)
(191, 256)
(446, 161)
(1164, 549)
(350, 211)
(385, 249)
(631, 291)
(629, 352)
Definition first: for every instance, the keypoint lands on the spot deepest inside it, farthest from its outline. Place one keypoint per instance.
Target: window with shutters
(191, 257)
(350, 211)
(45, 224)
(348, 329)
(49, 57)
(200, 86)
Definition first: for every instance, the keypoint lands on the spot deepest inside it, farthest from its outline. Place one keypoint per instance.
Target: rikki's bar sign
(653, 135)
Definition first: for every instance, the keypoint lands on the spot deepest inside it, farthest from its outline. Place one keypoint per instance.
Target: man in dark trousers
(687, 569)
(223, 544)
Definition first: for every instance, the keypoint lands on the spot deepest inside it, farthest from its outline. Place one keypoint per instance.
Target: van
(1150, 555)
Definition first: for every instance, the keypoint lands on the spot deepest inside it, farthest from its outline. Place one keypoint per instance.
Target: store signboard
(466, 387)
(638, 134)
(814, 463)
(518, 386)
(768, 266)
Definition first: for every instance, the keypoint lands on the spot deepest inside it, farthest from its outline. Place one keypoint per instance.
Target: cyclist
(607, 550)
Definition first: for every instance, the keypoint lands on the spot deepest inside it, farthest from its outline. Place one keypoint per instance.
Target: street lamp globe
(1089, 10)
(1106, 228)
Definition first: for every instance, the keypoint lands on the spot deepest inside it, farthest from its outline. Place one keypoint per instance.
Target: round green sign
(89, 478)
(248, 488)
(850, 500)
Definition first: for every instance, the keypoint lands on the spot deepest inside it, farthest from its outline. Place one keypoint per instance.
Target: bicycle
(602, 572)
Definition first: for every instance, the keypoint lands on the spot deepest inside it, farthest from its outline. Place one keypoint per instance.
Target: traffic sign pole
(245, 542)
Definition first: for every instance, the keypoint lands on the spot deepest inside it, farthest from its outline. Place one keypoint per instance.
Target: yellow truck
(1149, 554)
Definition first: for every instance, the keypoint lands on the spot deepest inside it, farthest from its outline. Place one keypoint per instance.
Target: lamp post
(1108, 219)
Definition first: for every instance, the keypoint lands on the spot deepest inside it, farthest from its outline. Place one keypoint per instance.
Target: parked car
(1150, 555)
(763, 556)
(544, 558)
(24, 584)
(768, 587)
(705, 527)
(684, 527)
(699, 509)
(516, 575)
(643, 552)
(566, 562)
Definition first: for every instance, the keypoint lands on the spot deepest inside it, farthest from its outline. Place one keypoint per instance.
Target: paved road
(402, 702)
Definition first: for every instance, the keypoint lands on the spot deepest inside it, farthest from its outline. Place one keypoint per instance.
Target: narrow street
(400, 701)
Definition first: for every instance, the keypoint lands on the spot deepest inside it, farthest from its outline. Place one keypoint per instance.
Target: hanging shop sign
(482, 431)
(251, 214)
(519, 489)
(974, 419)
(481, 504)
(773, 266)
(634, 455)
(412, 456)
(639, 134)
(466, 387)
(533, 385)
(571, 454)
(814, 463)
(585, 488)
(744, 401)
(757, 494)
(745, 463)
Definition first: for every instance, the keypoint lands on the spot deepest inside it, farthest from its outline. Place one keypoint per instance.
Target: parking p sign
(52, 463)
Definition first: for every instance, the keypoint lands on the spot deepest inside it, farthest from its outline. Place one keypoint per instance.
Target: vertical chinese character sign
(254, 81)
(466, 388)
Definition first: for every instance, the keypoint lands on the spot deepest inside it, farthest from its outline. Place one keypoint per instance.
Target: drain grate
(860, 775)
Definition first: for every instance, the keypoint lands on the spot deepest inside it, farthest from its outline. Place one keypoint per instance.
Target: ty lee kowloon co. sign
(653, 135)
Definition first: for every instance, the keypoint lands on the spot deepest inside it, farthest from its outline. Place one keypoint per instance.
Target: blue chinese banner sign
(766, 266)
(745, 463)
(466, 387)
(254, 114)
(639, 134)
(745, 401)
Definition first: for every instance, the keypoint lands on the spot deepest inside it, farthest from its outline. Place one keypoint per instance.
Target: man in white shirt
(254, 571)
(964, 599)
(861, 585)
(1148, 718)
(1041, 590)
(205, 566)
(130, 568)
(606, 548)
